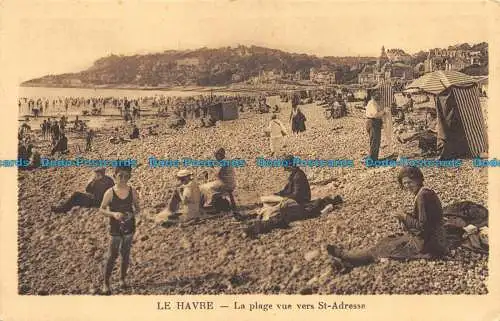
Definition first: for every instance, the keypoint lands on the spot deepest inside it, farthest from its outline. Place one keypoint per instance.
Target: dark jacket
(299, 122)
(61, 146)
(427, 222)
(135, 133)
(297, 187)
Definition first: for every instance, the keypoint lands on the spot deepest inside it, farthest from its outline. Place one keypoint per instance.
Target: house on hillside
(384, 69)
(398, 55)
(397, 70)
(372, 73)
(419, 70)
(369, 75)
(236, 78)
(72, 82)
(187, 62)
(297, 76)
(451, 59)
(475, 58)
(322, 76)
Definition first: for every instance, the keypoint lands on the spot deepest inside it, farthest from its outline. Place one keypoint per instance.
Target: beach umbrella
(437, 81)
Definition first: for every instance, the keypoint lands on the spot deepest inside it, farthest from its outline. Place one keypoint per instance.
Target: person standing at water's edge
(374, 114)
(276, 132)
(121, 205)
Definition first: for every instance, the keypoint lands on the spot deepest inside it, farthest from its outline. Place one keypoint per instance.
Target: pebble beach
(64, 253)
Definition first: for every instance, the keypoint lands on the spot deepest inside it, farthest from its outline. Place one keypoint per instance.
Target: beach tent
(224, 111)
(386, 90)
(461, 126)
(482, 83)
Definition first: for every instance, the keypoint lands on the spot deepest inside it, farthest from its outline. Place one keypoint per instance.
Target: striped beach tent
(386, 91)
(461, 125)
(437, 81)
(461, 130)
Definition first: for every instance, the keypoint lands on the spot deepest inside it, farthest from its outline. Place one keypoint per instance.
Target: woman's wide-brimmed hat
(184, 173)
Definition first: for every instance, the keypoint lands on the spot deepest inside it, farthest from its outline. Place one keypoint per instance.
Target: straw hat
(183, 173)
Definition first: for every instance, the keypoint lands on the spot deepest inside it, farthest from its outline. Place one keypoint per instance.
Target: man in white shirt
(185, 202)
(374, 115)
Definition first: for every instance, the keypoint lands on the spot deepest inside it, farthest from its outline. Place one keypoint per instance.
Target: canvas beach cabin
(461, 130)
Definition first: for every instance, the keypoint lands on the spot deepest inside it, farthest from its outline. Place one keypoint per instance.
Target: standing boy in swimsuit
(121, 205)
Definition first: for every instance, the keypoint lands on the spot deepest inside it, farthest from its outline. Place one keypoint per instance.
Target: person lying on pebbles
(292, 203)
(121, 205)
(425, 234)
(117, 138)
(94, 193)
(287, 203)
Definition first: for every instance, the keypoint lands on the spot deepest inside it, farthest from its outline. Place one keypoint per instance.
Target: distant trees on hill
(222, 66)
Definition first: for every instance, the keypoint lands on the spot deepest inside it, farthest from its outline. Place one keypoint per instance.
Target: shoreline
(208, 89)
(124, 87)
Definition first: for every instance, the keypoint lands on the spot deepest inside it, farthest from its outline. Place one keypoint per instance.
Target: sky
(52, 37)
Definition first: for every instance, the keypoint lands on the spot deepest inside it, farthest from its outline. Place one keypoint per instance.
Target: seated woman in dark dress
(425, 235)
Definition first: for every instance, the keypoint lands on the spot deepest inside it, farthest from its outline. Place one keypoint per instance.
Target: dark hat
(413, 173)
(100, 170)
(289, 159)
(220, 151)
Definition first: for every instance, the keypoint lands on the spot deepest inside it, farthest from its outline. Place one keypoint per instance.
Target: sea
(50, 92)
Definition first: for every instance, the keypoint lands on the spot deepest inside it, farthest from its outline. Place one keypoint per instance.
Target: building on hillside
(268, 77)
(188, 62)
(356, 67)
(397, 70)
(382, 59)
(243, 51)
(322, 76)
(297, 76)
(398, 55)
(236, 78)
(384, 69)
(475, 57)
(369, 75)
(419, 70)
(72, 82)
(75, 82)
(451, 59)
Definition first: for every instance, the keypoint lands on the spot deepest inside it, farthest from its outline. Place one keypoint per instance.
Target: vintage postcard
(250, 160)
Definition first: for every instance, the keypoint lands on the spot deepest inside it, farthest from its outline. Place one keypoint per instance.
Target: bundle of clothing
(466, 225)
